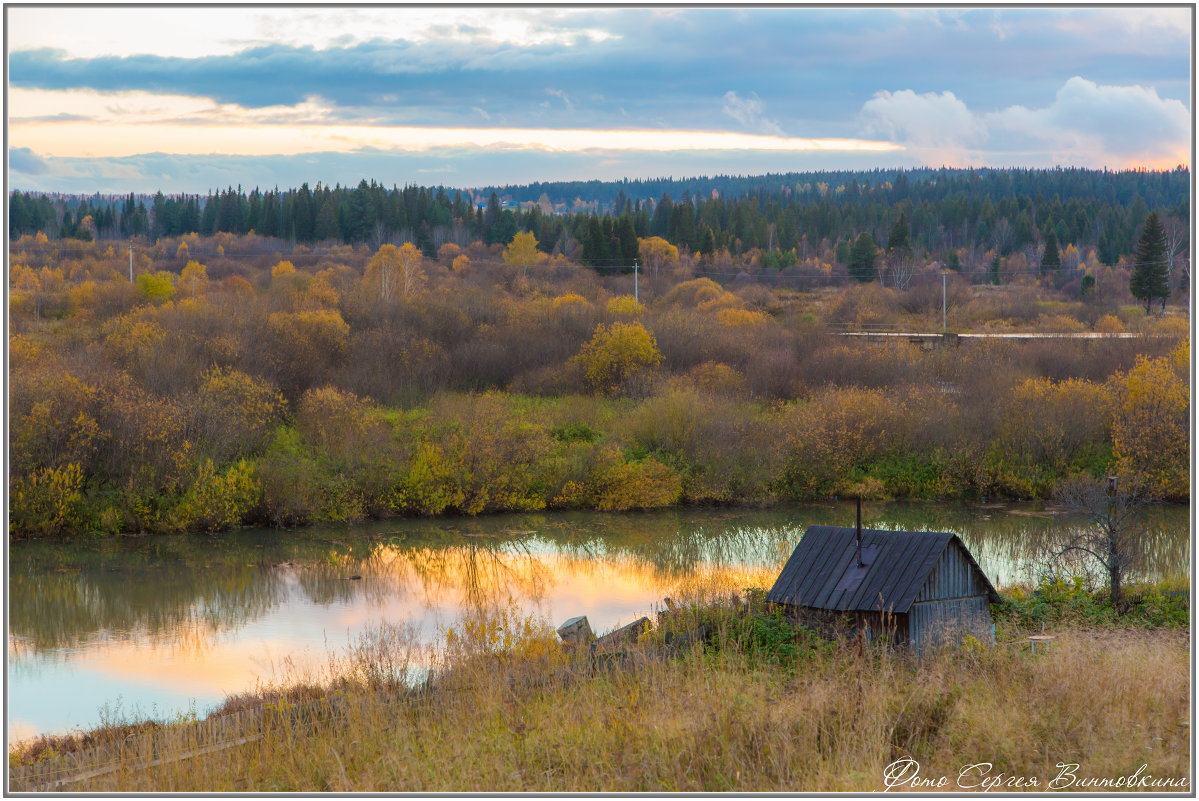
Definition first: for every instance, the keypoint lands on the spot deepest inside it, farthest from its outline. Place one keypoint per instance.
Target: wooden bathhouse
(918, 588)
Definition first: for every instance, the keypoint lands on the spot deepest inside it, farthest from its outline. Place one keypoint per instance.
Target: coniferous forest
(958, 216)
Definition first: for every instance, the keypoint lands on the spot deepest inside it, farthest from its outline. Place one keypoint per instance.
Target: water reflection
(164, 621)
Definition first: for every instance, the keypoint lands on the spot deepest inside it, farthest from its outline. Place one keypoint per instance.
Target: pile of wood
(677, 630)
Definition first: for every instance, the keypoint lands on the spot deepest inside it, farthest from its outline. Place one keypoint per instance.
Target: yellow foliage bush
(1059, 323)
(1170, 327)
(429, 488)
(477, 455)
(616, 485)
(81, 298)
(694, 292)
(716, 378)
(395, 271)
(646, 484)
(656, 254)
(618, 354)
(336, 421)
(156, 287)
(48, 501)
(194, 278)
(131, 337)
(625, 306)
(826, 437)
(740, 318)
(314, 332)
(570, 299)
(24, 352)
(723, 301)
(216, 501)
(1052, 422)
(236, 411)
(1151, 411)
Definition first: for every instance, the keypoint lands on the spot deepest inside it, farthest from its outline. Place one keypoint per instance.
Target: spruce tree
(1051, 260)
(861, 259)
(900, 239)
(1149, 277)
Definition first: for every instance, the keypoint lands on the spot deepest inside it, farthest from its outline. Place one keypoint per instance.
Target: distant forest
(949, 214)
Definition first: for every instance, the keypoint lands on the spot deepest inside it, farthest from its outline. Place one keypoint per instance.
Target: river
(162, 626)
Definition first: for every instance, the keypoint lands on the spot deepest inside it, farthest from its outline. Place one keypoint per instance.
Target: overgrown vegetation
(1063, 602)
(346, 383)
(756, 706)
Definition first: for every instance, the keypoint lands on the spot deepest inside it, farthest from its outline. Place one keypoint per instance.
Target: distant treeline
(789, 216)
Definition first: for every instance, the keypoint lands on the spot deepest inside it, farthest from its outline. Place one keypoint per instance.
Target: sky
(188, 99)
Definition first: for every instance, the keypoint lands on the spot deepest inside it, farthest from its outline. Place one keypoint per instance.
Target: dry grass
(517, 713)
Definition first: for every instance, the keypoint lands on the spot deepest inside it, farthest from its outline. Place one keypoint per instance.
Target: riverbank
(756, 708)
(243, 455)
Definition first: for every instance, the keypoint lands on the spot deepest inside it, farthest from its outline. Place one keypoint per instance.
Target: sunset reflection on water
(160, 626)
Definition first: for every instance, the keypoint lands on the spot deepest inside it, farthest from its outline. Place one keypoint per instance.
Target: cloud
(22, 159)
(1102, 126)
(1086, 124)
(63, 117)
(748, 112)
(937, 124)
(451, 166)
(813, 73)
(812, 68)
(558, 93)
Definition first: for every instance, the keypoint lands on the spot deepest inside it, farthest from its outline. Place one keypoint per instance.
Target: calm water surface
(160, 626)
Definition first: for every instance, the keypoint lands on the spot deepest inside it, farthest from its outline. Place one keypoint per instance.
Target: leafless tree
(1176, 245)
(1112, 533)
(900, 266)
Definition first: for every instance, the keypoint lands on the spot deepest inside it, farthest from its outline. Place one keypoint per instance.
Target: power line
(611, 264)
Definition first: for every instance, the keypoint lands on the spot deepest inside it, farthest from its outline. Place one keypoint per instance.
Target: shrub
(620, 485)
(430, 486)
(338, 423)
(619, 356)
(216, 501)
(48, 501)
(740, 318)
(234, 413)
(1054, 423)
(624, 306)
(830, 436)
(1149, 426)
(156, 287)
(298, 489)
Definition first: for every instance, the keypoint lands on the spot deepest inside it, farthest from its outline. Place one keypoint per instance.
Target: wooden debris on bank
(576, 631)
(623, 636)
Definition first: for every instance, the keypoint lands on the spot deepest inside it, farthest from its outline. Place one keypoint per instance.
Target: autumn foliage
(233, 383)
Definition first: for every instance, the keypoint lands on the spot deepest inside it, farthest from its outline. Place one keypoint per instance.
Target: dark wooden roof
(820, 572)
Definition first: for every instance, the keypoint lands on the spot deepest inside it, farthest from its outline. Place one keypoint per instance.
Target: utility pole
(131, 262)
(636, 292)
(944, 301)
